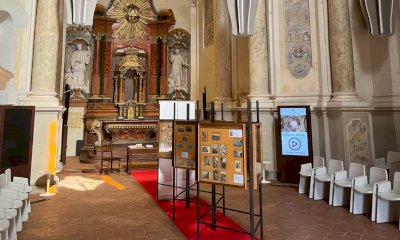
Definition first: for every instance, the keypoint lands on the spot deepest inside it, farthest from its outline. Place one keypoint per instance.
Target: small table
(139, 154)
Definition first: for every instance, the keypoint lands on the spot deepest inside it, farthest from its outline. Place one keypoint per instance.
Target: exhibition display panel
(222, 153)
(165, 139)
(185, 144)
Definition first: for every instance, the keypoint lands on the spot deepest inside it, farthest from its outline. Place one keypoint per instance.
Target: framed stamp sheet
(185, 144)
(222, 153)
(165, 139)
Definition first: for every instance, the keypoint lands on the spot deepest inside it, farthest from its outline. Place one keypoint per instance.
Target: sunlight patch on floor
(79, 183)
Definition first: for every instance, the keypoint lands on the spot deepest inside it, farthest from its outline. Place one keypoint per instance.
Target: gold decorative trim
(132, 17)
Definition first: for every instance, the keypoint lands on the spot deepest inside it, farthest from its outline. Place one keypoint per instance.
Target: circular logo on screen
(294, 144)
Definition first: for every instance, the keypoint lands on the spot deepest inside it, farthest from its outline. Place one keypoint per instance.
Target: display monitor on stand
(294, 143)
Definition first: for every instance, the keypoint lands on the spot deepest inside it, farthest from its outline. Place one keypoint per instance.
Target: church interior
(274, 119)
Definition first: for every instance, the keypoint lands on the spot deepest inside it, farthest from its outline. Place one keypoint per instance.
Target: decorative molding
(132, 17)
(96, 128)
(357, 141)
(298, 37)
(193, 3)
(75, 120)
(208, 23)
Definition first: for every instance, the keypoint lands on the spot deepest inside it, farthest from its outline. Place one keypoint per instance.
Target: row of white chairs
(14, 204)
(353, 188)
(391, 163)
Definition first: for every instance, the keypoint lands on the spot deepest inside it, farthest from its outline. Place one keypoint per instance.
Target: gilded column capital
(164, 39)
(153, 39)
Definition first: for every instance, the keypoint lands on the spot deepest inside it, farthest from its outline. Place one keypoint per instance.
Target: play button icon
(294, 144)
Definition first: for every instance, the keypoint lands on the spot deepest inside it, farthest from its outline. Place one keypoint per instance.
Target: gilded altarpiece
(129, 74)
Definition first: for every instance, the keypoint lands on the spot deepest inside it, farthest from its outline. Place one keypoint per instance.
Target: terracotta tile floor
(88, 208)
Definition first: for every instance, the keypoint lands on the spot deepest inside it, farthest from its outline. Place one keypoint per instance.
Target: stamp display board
(165, 139)
(257, 150)
(185, 144)
(222, 153)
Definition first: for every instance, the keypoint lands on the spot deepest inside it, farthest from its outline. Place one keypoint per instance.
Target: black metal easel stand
(214, 204)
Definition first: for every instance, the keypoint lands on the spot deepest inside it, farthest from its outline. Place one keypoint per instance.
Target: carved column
(116, 87)
(122, 88)
(258, 58)
(341, 51)
(44, 69)
(105, 91)
(144, 89)
(95, 87)
(141, 88)
(164, 63)
(136, 89)
(152, 86)
(102, 64)
(223, 66)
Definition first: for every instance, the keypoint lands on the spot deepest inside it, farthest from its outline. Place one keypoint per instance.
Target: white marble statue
(178, 76)
(79, 59)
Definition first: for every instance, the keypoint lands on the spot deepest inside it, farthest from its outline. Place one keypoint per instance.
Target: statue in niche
(178, 75)
(79, 59)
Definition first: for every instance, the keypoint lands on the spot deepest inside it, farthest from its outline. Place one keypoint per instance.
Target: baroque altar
(128, 75)
(119, 69)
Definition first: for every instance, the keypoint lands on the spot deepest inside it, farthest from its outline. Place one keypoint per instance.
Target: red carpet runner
(185, 218)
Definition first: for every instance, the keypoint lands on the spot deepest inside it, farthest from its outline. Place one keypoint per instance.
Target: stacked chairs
(388, 199)
(376, 193)
(392, 163)
(342, 183)
(324, 177)
(14, 204)
(307, 174)
(20, 184)
(8, 212)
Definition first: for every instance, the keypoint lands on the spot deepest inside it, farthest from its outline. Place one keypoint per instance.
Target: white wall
(13, 22)
(181, 9)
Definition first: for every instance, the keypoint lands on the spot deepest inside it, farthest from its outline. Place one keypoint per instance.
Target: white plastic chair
(8, 212)
(17, 197)
(393, 163)
(387, 204)
(307, 174)
(20, 184)
(362, 197)
(380, 162)
(342, 184)
(324, 176)
(4, 225)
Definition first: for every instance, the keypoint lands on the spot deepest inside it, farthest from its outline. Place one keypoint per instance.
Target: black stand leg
(223, 199)
(173, 194)
(261, 211)
(213, 208)
(187, 189)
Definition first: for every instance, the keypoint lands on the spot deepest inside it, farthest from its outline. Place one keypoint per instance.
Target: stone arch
(7, 41)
